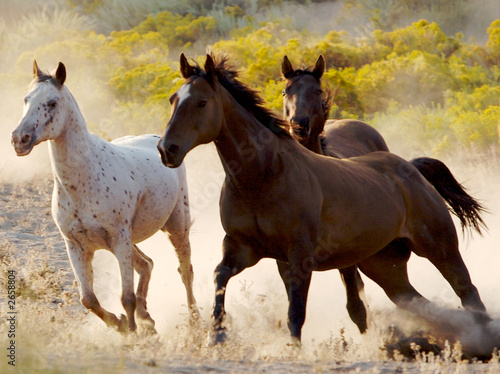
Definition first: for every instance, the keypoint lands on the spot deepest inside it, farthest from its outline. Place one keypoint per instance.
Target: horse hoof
(122, 325)
(149, 330)
(194, 318)
(295, 343)
(216, 338)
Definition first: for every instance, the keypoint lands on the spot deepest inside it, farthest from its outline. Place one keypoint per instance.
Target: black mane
(246, 97)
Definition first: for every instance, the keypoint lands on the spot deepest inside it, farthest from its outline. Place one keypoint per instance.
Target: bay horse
(279, 200)
(106, 196)
(306, 107)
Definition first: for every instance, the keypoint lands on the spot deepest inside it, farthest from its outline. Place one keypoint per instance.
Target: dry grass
(56, 334)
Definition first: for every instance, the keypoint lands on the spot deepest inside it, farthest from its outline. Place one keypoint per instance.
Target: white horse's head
(44, 113)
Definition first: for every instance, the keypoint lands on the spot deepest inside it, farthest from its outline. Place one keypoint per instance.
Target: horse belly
(151, 215)
(346, 246)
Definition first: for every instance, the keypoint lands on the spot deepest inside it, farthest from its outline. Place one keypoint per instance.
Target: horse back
(424, 206)
(349, 138)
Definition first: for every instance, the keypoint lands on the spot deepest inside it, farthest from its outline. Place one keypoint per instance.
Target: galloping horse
(306, 106)
(280, 200)
(106, 196)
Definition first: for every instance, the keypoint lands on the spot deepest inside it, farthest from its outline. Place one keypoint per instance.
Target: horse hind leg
(388, 268)
(178, 226)
(446, 257)
(143, 265)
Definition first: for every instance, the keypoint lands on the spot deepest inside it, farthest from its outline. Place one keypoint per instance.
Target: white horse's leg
(81, 262)
(124, 253)
(177, 227)
(143, 265)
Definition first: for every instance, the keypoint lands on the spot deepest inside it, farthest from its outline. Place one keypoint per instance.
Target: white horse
(106, 196)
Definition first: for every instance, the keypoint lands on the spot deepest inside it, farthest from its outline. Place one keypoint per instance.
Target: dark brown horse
(306, 108)
(370, 210)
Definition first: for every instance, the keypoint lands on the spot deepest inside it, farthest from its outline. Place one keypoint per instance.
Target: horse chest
(88, 220)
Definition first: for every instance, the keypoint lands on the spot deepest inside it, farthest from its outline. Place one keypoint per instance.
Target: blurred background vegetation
(426, 72)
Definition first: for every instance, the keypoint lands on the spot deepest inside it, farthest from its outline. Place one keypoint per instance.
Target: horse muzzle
(169, 153)
(300, 128)
(23, 142)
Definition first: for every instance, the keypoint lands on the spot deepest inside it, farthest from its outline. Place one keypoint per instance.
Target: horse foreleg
(143, 265)
(284, 271)
(222, 274)
(300, 279)
(81, 262)
(354, 286)
(237, 256)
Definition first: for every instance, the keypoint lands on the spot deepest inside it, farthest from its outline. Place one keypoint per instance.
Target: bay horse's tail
(464, 206)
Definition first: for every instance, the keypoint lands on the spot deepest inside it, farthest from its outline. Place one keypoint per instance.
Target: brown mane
(245, 96)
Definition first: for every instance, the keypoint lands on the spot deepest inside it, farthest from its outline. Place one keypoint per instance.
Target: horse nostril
(26, 139)
(173, 149)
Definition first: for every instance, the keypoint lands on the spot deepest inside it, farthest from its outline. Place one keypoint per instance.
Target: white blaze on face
(183, 93)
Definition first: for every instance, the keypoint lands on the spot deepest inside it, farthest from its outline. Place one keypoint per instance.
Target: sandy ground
(54, 333)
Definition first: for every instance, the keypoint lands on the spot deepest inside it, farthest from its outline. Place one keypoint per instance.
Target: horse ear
(319, 67)
(210, 69)
(61, 73)
(36, 71)
(186, 69)
(286, 67)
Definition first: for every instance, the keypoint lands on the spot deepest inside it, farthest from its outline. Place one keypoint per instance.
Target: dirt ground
(54, 333)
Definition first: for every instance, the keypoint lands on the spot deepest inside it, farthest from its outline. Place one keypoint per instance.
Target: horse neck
(71, 152)
(314, 144)
(247, 148)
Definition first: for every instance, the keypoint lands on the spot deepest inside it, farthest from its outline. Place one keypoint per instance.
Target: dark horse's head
(305, 104)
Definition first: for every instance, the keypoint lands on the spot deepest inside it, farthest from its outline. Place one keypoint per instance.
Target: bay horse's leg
(300, 280)
(446, 257)
(123, 251)
(81, 262)
(143, 265)
(237, 256)
(177, 227)
(284, 271)
(388, 268)
(354, 286)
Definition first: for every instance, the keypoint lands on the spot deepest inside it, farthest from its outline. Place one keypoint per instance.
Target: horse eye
(283, 93)
(202, 104)
(319, 92)
(52, 104)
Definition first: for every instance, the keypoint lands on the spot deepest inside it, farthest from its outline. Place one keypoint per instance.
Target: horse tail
(465, 207)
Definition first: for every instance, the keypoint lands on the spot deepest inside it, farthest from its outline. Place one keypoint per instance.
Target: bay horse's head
(41, 120)
(196, 113)
(305, 107)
